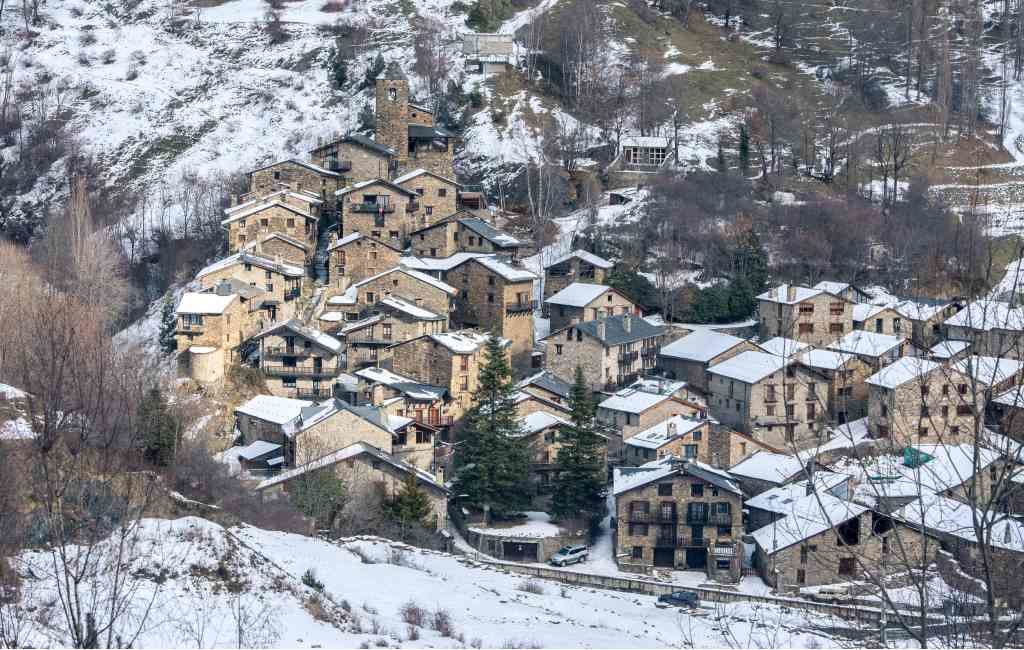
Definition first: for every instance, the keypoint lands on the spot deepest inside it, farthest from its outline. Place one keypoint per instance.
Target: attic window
(393, 94)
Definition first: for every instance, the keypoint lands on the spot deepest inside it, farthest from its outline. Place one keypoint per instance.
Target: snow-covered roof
(255, 207)
(578, 294)
(989, 371)
(700, 345)
(1012, 397)
(832, 287)
(463, 342)
(664, 432)
(780, 346)
(412, 273)
(617, 330)
(629, 400)
(356, 236)
(871, 344)
(409, 308)
(303, 163)
(349, 297)
(10, 392)
(256, 449)
(505, 270)
(435, 264)
(988, 315)
(489, 232)
(538, 421)
(204, 303)
(781, 294)
(278, 235)
(630, 478)
(586, 256)
(17, 429)
(780, 499)
(948, 466)
(289, 270)
(768, 466)
(273, 409)
(918, 310)
(901, 371)
(824, 359)
(420, 172)
(371, 182)
(644, 141)
(548, 381)
(750, 367)
(948, 349)
(863, 311)
(809, 516)
(843, 436)
(941, 514)
(316, 336)
(407, 386)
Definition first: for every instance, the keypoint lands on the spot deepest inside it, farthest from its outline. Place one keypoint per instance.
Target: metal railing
(373, 208)
(285, 351)
(339, 165)
(313, 393)
(292, 294)
(628, 357)
(712, 518)
(520, 307)
(300, 371)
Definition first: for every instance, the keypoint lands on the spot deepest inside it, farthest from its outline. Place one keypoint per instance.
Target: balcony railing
(628, 357)
(191, 328)
(413, 206)
(286, 351)
(313, 393)
(339, 165)
(370, 340)
(373, 208)
(276, 370)
(712, 518)
(640, 517)
(641, 167)
(665, 540)
(292, 294)
(692, 542)
(520, 307)
(436, 420)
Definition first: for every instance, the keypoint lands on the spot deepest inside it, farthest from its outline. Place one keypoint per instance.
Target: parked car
(831, 594)
(679, 599)
(569, 555)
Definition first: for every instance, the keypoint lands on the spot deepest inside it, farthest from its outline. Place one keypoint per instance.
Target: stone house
(409, 129)
(298, 175)
(925, 319)
(358, 256)
(774, 503)
(844, 290)
(527, 403)
(275, 245)
(404, 396)
(773, 399)
(380, 209)
(367, 468)
(827, 540)
(210, 327)
(613, 352)
(878, 319)
(949, 351)
(306, 430)
(993, 328)
(451, 360)
(299, 361)
(916, 400)
(765, 470)
(356, 157)
(992, 376)
(581, 302)
(780, 346)
(678, 514)
(690, 357)
(576, 266)
(462, 233)
(288, 212)
(540, 433)
(639, 159)
(418, 289)
(496, 296)
(631, 411)
(1007, 409)
(679, 436)
(488, 54)
(845, 376)
(438, 195)
(392, 320)
(727, 446)
(281, 282)
(876, 350)
(549, 386)
(808, 315)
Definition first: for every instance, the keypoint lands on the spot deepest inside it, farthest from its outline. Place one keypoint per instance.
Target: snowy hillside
(206, 583)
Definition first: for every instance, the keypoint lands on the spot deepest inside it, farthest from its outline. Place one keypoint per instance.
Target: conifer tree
(374, 71)
(158, 427)
(168, 325)
(492, 462)
(337, 67)
(580, 466)
(411, 506)
(744, 150)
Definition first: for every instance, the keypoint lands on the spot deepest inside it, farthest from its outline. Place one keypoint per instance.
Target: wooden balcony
(286, 351)
(373, 208)
(190, 328)
(278, 370)
(709, 518)
(339, 166)
(293, 293)
(628, 358)
(434, 421)
(526, 306)
(313, 393)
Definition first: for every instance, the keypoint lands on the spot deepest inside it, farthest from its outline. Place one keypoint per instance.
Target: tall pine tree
(580, 465)
(492, 463)
(168, 325)
(411, 506)
(159, 428)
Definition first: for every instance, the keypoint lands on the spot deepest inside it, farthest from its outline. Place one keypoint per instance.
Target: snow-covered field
(206, 583)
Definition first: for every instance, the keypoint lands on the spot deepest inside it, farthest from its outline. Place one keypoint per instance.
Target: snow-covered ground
(214, 587)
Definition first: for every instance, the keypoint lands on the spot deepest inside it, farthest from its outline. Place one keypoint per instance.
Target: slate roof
(615, 331)
(586, 256)
(550, 382)
(489, 232)
(421, 132)
(325, 341)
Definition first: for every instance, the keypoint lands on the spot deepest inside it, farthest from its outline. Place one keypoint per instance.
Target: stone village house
(356, 158)
(211, 325)
(630, 411)
(355, 257)
(577, 266)
(580, 302)
(613, 352)
(438, 195)
(298, 175)
(462, 233)
(288, 212)
(281, 282)
(679, 436)
(392, 320)
(689, 357)
(808, 315)
(380, 209)
(299, 361)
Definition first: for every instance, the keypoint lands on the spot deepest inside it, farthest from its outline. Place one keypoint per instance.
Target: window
(369, 297)
(790, 410)
(264, 222)
(291, 223)
(962, 389)
(248, 267)
(770, 410)
(806, 328)
(770, 395)
(963, 409)
(725, 531)
(812, 389)
(430, 209)
(801, 577)
(835, 328)
(790, 392)
(847, 565)
(945, 411)
(811, 412)
(896, 325)
(393, 234)
(945, 389)
(804, 554)
(422, 436)
(664, 489)
(698, 434)
(270, 287)
(723, 565)
(464, 382)
(690, 451)
(393, 94)
(277, 175)
(442, 191)
(387, 331)
(922, 432)
(288, 382)
(558, 349)
(696, 489)
(419, 190)
(807, 308)
(638, 552)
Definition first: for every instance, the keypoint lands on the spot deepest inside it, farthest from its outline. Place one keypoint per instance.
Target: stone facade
(378, 209)
(575, 269)
(278, 246)
(354, 260)
(677, 522)
(208, 341)
(401, 284)
(450, 236)
(936, 407)
(606, 368)
(490, 302)
(438, 196)
(283, 288)
(885, 321)
(727, 447)
(392, 115)
(785, 409)
(356, 162)
(818, 319)
(630, 423)
(698, 440)
(290, 218)
(296, 366)
(608, 303)
(695, 373)
(368, 341)
(296, 175)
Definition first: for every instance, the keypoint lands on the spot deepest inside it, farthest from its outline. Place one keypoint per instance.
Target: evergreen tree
(367, 119)
(158, 427)
(411, 506)
(492, 463)
(320, 495)
(744, 150)
(168, 325)
(720, 162)
(337, 68)
(750, 260)
(377, 67)
(580, 466)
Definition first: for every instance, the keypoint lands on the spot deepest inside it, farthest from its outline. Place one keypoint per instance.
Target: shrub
(332, 6)
(132, 74)
(309, 579)
(138, 57)
(108, 56)
(412, 632)
(83, 58)
(363, 556)
(516, 643)
(531, 587)
(87, 38)
(441, 622)
(76, 11)
(413, 614)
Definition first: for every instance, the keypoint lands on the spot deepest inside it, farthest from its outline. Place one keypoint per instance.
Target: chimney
(334, 237)
(790, 293)
(234, 200)
(671, 429)
(223, 288)
(627, 322)
(600, 329)
(278, 259)
(439, 474)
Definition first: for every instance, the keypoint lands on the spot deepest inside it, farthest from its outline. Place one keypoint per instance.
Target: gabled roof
(809, 516)
(780, 346)
(422, 132)
(768, 466)
(412, 273)
(325, 341)
(987, 315)
(507, 271)
(665, 432)
(435, 264)
(750, 367)
(700, 345)
(627, 479)
(204, 303)
(295, 161)
(862, 311)
(615, 330)
(780, 294)
(538, 421)
(356, 236)
(644, 141)
(244, 257)
(780, 499)
(420, 172)
(370, 183)
(870, 344)
(260, 206)
(901, 371)
(989, 371)
(301, 195)
(548, 381)
(411, 388)
(939, 514)
(279, 235)
(579, 294)
(410, 309)
(588, 257)
(832, 287)
(489, 232)
(362, 141)
(948, 349)
(824, 359)
(629, 400)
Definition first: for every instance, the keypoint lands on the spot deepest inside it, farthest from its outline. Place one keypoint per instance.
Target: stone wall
(928, 410)
(337, 432)
(403, 285)
(693, 372)
(437, 198)
(297, 177)
(392, 116)
(609, 303)
(392, 226)
(275, 247)
(819, 320)
(483, 302)
(439, 241)
(276, 286)
(572, 270)
(361, 259)
(366, 163)
(636, 456)
(273, 218)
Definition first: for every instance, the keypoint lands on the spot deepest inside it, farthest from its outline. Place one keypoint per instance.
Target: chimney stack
(671, 428)
(600, 329)
(627, 322)
(234, 200)
(790, 293)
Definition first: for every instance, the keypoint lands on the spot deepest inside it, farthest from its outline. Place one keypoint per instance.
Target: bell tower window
(393, 94)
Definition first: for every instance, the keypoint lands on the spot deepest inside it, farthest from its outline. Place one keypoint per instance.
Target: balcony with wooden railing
(280, 370)
(628, 358)
(340, 166)
(373, 208)
(519, 307)
(313, 393)
(191, 328)
(709, 518)
(435, 420)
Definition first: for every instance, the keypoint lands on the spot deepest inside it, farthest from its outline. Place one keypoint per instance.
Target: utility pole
(675, 135)
(882, 620)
